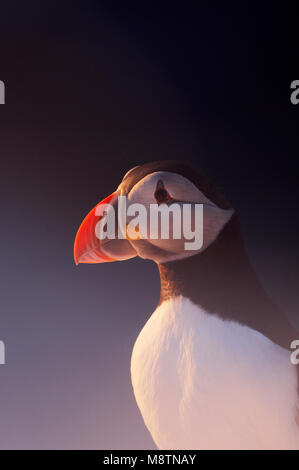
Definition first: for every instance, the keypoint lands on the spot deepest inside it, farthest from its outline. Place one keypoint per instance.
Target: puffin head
(167, 189)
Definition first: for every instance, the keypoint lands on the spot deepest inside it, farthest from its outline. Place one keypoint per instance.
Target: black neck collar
(222, 281)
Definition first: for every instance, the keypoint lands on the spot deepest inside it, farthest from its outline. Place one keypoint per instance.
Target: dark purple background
(90, 92)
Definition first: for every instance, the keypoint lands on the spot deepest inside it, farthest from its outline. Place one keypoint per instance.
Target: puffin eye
(161, 194)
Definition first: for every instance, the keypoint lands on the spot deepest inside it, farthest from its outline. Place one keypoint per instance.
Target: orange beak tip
(88, 249)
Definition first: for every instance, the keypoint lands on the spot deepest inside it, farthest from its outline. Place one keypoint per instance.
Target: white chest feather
(204, 383)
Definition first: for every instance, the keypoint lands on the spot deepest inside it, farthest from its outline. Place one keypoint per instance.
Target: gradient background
(92, 89)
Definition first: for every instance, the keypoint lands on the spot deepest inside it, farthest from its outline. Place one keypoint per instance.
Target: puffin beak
(88, 248)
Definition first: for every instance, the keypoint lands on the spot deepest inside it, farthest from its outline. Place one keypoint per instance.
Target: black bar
(93, 459)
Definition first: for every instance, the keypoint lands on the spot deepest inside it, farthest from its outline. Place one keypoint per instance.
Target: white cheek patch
(199, 222)
(178, 187)
(214, 219)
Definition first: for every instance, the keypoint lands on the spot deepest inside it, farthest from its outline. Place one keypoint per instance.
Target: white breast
(204, 383)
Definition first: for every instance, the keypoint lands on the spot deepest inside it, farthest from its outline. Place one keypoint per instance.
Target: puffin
(211, 367)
